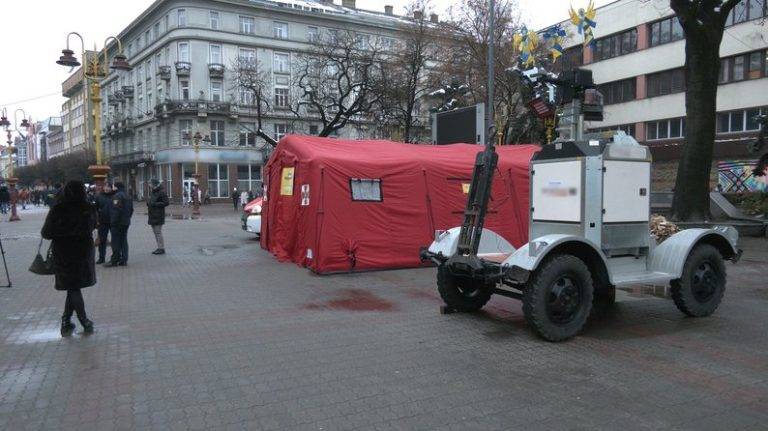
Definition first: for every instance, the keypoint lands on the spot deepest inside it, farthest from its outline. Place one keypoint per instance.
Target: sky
(33, 39)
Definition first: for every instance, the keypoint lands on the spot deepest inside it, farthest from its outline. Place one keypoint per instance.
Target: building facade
(637, 62)
(74, 116)
(49, 137)
(183, 52)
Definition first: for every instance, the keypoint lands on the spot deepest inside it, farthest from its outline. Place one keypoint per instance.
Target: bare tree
(338, 80)
(465, 55)
(251, 84)
(409, 77)
(703, 23)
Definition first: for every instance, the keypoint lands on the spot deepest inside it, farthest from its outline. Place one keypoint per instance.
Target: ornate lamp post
(196, 139)
(94, 71)
(11, 180)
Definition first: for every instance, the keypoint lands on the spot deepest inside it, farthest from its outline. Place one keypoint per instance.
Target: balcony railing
(201, 108)
(164, 72)
(216, 70)
(128, 91)
(183, 68)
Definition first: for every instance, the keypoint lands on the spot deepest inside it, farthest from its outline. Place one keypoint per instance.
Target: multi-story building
(183, 52)
(31, 146)
(74, 119)
(45, 129)
(21, 150)
(638, 60)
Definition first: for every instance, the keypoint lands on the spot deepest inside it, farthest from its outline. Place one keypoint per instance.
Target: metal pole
(489, 136)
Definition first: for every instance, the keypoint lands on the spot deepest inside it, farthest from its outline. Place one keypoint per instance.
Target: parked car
(251, 217)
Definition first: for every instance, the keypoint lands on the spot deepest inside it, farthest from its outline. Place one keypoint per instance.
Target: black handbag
(42, 266)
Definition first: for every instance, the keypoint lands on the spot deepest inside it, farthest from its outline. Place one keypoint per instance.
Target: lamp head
(68, 58)
(120, 62)
(4, 121)
(24, 123)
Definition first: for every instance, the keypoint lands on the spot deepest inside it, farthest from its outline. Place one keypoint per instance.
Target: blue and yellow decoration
(555, 35)
(585, 22)
(526, 42)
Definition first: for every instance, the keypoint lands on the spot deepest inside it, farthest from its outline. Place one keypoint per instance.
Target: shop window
(365, 190)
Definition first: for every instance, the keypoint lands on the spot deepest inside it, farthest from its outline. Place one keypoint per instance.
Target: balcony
(164, 72)
(183, 68)
(120, 126)
(216, 70)
(116, 98)
(133, 157)
(128, 91)
(200, 108)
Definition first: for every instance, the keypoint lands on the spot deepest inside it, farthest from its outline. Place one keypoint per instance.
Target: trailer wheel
(558, 298)
(700, 289)
(462, 293)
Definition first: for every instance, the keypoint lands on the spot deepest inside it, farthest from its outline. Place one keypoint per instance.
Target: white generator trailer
(588, 233)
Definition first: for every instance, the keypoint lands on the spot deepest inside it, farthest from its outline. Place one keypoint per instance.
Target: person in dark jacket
(69, 225)
(120, 220)
(235, 198)
(5, 198)
(158, 200)
(104, 208)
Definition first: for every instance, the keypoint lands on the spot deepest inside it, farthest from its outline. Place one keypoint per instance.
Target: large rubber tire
(558, 297)
(700, 289)
(462, 293)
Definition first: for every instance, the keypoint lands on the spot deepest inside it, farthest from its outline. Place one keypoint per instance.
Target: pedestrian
(235, 198)
(158, 200)
(5, 198)
(250, 195)
(69, 225)
(120, 220)
(185, 198)
(243, 198)
(104, 209)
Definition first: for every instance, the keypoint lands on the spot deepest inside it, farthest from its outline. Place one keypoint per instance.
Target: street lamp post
(11, 179)
(196, 138)
(93, 71)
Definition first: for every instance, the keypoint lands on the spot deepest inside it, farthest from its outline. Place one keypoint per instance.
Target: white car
(251, 218)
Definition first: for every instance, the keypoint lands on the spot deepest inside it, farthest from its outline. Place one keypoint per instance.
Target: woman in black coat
(69, 225)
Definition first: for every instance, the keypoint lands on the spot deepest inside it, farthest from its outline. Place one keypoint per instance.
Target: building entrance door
(187, 191)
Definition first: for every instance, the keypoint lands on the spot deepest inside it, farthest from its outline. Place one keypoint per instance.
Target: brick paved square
(218, 335)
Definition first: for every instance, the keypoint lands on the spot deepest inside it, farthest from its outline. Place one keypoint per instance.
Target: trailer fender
(670, 256)
(528, 257)
(445, 243)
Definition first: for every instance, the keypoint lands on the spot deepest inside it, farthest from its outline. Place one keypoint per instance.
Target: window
(313, 129)
(249, 178)
(246, 55)
(281, 92)
(214, 54)
(147, 39)
(665, 31)
(214, 20)
(618, 91)
(247, 97)
(365, 190)
(156, 31)
(615, 45)
(183, 51)
(629, 129)
(746, 10)
(216, 91)
(247, 135)
(247, 24)
(218, 184)
(280, 30)
(181, 18)
(753, 65)
(665, 129)
(280, 63)
(313, 34)
(184, 89)
(667, 82)
(281, 129)
(217, 133)
(185, 131)
(149, 99)
(744, 120)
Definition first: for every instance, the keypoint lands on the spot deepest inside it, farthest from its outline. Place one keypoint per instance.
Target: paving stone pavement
(218, 335)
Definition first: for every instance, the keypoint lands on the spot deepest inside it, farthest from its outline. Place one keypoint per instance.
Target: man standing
(5, 198)
(235, 198)
(103, 209)
(120, 218)
(158, 200)
(243, 198)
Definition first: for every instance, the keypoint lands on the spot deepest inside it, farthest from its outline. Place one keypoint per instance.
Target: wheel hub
(564, 300)
(705, 281)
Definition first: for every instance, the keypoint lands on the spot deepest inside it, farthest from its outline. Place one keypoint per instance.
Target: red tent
(340, 205)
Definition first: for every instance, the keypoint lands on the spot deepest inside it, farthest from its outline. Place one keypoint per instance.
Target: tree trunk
(702, 67)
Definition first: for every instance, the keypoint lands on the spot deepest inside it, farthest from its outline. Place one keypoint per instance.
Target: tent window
(365, 190)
